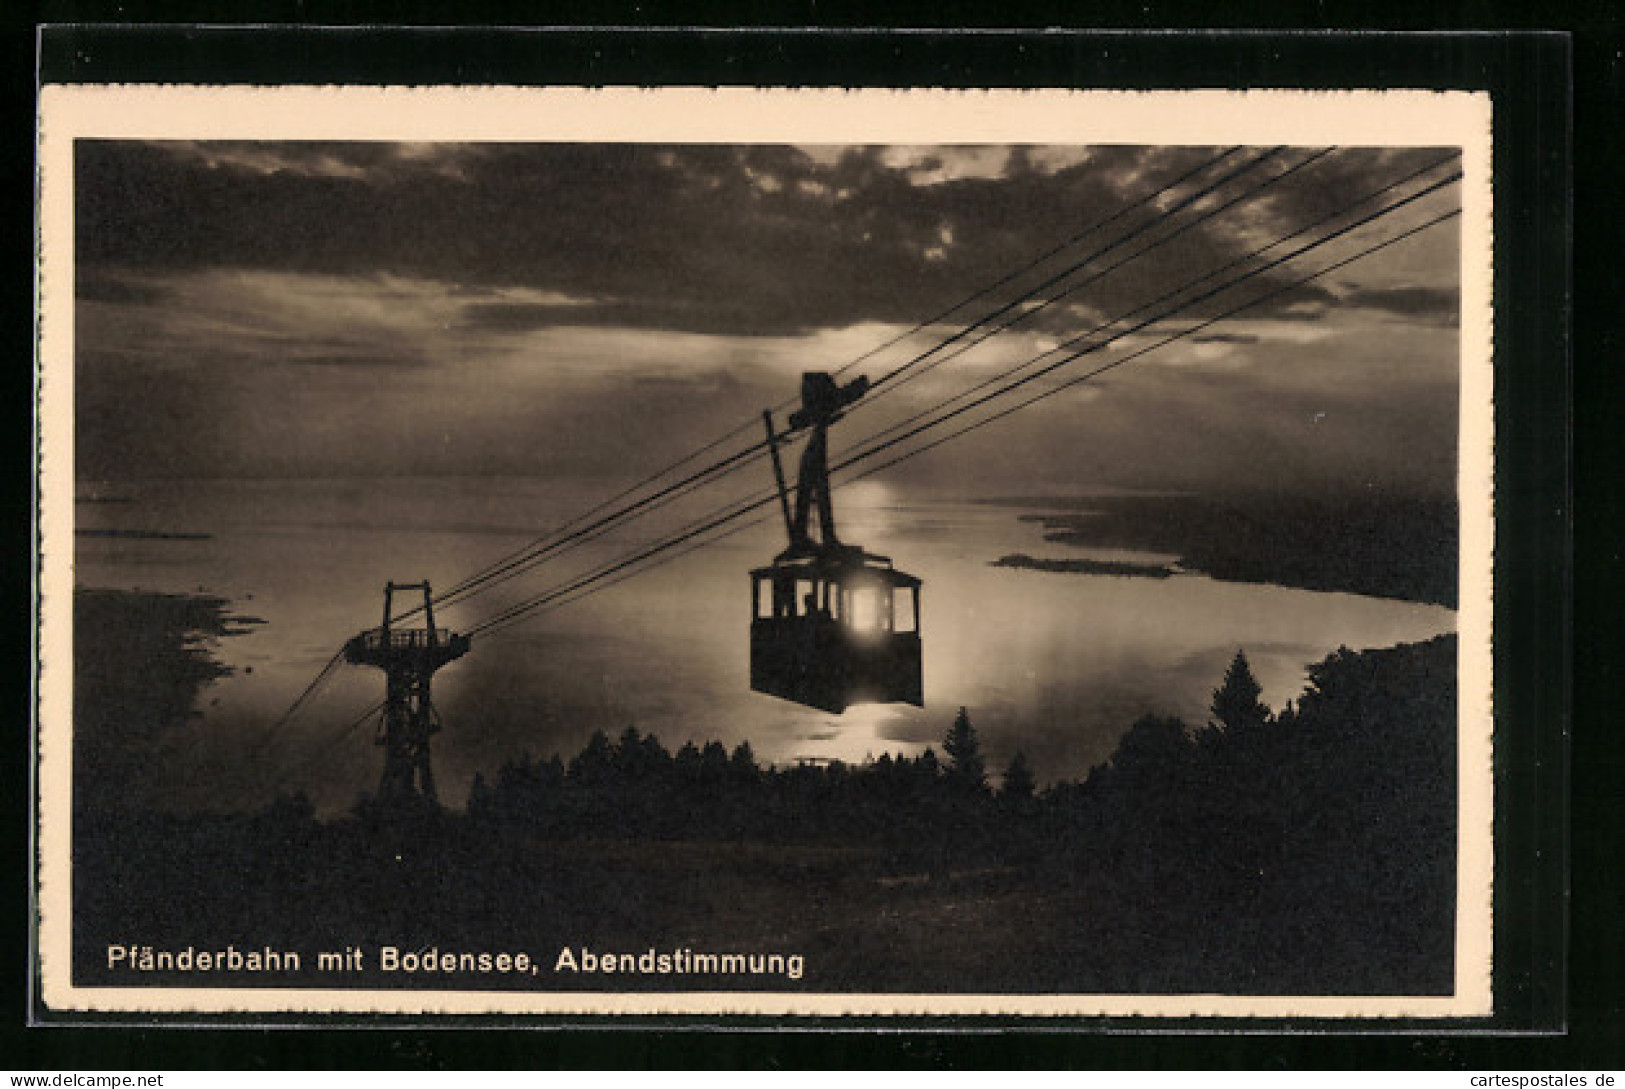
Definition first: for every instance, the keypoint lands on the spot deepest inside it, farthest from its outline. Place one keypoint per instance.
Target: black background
(1557, 963)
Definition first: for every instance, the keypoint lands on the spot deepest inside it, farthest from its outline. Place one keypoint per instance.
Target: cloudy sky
(594, 311)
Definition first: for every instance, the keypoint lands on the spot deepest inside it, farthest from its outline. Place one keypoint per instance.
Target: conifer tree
(966, 769)
(1236, 705)
(742, 765)
(479, 797)
(1018, 778)
(593, 764)
(713, 763)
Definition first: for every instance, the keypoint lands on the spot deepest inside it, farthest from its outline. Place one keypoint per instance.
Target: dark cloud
(118, 291)
(1309, 303)
(1225, 338)
(1438, 304)
(512, 317)
(1346, 180)
(619, 303)
(299, 157)
(355, 356)
(751, 240)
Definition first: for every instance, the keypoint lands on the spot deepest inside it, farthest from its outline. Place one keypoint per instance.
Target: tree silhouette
(966, 769)
(742, 765)
(479, 798)
(628, 754)
(1236, 705)
(927, 767)
(713, 762)
(1151, 749)
(595, 763)
(1018, 778)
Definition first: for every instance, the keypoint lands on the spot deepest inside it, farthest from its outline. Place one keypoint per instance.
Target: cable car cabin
(832, 631)
(831, 625)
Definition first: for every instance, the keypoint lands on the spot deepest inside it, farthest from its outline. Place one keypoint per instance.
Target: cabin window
(869, 608)
(907, 608)
(806, 597)
(761, 598)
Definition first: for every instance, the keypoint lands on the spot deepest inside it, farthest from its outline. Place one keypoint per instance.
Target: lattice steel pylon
(409, 658)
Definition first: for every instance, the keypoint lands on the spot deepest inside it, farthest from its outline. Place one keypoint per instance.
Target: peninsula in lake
(1114, 568)
(1402, 547)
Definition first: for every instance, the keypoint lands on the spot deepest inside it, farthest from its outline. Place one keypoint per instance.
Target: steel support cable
(551, 544)
(610, 569)
(524, 608)
(586, 586)
(1188, 285)
(1187, 226)
(332, 743)
(1072, 357)
(473, 586)
(521, 609)
(590, 512)
(1095, 277)
(1157, 220)
(1079, 379)
(1253, 255)
(516, 573)
(1015, 274)
(518, 562)
(716, 517)
(927, 323)
(321, 678)
(523, 555)
(568, 595)
(678, 491)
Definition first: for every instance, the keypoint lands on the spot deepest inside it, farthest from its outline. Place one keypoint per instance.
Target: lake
(1056, 664)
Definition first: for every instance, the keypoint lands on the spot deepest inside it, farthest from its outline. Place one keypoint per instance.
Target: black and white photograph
(800, 553)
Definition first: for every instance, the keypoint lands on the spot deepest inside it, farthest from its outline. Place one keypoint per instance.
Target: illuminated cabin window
(869, 609)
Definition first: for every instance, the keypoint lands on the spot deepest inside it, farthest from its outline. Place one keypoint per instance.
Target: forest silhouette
(1305, 851)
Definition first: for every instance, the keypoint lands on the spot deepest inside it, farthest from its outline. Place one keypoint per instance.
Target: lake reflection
(1055, 664)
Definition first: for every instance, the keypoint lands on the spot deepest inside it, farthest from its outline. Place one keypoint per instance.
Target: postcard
(797, 553)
